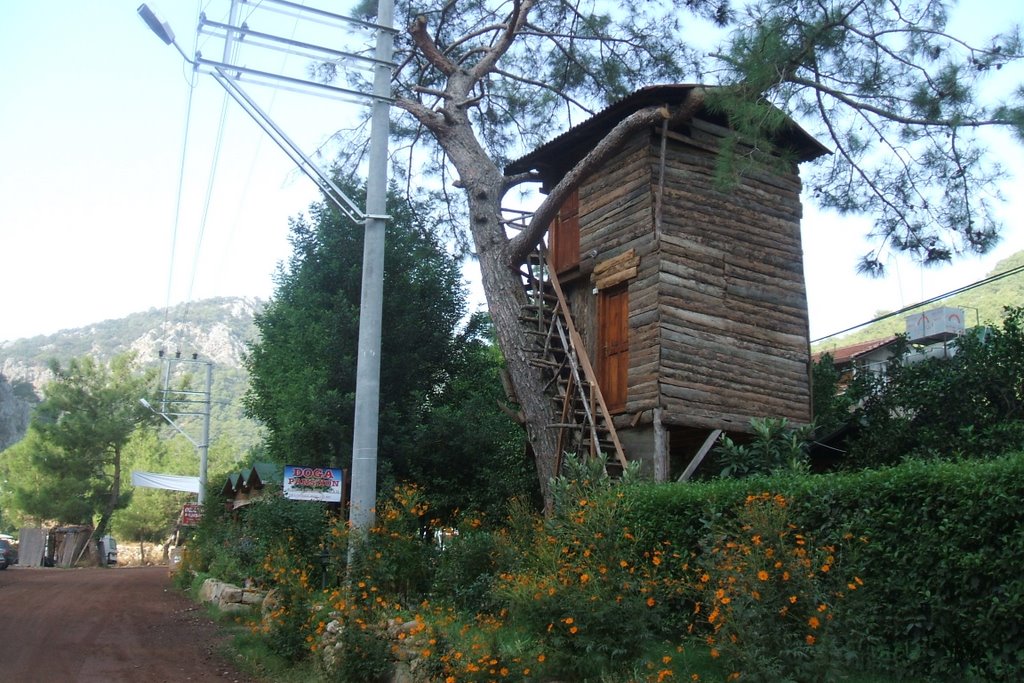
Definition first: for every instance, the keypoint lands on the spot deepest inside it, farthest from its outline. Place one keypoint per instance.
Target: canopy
(170, 482)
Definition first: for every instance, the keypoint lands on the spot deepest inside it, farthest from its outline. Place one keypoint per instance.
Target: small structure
(688, 298)
(244, 487)
(928, 334)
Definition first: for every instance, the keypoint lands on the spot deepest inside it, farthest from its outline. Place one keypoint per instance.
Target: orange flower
(651, 602)
(762, 575)
(809, 639)
(813, 622)
(541, 657)
(714, 653)
(792, 599)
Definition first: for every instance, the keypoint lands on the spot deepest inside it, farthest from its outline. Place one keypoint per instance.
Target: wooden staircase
(585, 426)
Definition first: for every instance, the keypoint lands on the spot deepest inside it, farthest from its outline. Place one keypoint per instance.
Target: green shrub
(589, 596)
(768, 596)
(775, 447)
(934, 543)
(233, 545)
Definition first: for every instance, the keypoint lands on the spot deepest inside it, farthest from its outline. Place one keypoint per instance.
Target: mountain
(215, 329)
(983, 305)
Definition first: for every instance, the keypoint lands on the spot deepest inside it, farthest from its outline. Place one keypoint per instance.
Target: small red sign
(191, 514)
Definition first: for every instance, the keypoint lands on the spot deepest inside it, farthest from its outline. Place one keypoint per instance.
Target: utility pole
(229, 74)
(176, 403)
(367, 408)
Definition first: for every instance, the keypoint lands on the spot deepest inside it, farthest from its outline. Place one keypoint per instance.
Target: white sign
(312, 483)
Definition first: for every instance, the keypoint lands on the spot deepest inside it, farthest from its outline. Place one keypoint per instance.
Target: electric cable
(181, 183)
(905, 309)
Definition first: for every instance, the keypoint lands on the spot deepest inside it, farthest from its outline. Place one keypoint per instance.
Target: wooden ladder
(585, 426)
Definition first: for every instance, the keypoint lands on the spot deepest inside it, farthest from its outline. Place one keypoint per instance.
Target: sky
(93, 111)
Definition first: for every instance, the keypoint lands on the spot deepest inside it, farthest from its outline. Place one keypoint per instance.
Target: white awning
(169, 482)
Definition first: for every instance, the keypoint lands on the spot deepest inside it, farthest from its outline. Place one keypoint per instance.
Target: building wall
(717, 309)
(616, 214)
(732, 300)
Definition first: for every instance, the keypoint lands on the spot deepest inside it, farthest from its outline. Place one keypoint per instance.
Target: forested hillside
(983, 306)
(215, 329)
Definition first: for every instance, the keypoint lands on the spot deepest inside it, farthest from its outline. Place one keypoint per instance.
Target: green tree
(969, 405)
(882, 81)
(469, 453)
(69, 467)
(302, 368)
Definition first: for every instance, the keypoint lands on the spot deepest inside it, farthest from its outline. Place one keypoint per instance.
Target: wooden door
(565, 235)
(613, 345)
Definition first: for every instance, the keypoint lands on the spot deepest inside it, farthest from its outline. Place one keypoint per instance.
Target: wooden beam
(697, 459)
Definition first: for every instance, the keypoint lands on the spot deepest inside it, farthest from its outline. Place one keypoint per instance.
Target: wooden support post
(704, 450)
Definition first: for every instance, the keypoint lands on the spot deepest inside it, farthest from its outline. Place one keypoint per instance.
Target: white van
(108, 546)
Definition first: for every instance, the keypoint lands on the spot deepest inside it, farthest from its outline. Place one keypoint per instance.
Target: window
(565, 235)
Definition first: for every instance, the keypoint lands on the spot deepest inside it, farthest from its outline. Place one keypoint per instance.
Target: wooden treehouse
(664, 308)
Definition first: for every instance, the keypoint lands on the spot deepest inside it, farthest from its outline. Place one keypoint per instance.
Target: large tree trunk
(506, 296)
(108, 510)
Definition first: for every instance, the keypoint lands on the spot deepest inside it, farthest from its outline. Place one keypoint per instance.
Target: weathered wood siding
(717, 310)
(616, 215)
(732, 305)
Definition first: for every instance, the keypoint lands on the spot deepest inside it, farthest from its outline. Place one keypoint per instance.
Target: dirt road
(118, 624)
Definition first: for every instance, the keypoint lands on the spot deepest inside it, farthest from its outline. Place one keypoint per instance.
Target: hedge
(940, 547)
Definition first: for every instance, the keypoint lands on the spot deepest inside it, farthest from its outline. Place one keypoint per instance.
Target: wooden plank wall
(616, 215)
(731, 297)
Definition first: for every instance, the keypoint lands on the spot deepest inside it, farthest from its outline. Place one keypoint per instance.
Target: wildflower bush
(586, 590)
(931, 542)
(908, 569)
(286, 621)
(767, 596)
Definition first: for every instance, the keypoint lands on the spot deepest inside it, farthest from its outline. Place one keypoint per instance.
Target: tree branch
(520, 11)
(426, 44)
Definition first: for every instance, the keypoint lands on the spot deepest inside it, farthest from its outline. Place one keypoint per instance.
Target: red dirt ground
(118, 624)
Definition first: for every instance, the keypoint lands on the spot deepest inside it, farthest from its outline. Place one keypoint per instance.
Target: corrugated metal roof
(845, 354)
(573, 144)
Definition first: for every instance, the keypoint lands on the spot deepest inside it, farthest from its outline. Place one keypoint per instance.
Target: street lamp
(161, 28)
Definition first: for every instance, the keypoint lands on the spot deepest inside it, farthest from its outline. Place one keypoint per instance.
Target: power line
(905, 309)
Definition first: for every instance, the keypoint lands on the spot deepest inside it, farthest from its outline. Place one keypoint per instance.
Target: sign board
(312, 483)
(191, 514)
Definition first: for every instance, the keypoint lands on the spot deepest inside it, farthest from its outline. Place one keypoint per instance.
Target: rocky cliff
(215, 329)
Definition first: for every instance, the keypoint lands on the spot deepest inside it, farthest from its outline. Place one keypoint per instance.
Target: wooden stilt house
(666, 308)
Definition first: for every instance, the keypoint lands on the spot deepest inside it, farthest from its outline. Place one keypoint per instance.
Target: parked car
(8, 554)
